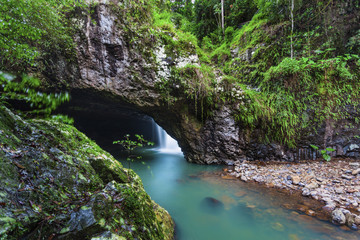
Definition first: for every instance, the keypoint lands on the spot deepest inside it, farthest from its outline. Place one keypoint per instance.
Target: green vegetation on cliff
(286, 69)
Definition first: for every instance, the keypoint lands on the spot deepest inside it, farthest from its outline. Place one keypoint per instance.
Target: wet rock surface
(333, 184)
(55, 183)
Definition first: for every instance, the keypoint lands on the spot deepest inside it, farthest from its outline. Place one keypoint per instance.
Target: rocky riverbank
(336, 184)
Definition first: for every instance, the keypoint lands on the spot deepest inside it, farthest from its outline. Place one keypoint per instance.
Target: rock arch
(120, 72)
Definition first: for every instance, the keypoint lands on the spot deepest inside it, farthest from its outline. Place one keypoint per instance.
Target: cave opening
(105, 122)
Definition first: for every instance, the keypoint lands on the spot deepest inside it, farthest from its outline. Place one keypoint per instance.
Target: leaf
(330, 149)
(314, 147)
(327, 157)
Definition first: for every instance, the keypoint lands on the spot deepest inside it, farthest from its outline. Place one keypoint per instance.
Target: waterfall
(166, 143)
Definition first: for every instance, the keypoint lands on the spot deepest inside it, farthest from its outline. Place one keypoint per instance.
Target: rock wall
(120, 68)
(55, 183)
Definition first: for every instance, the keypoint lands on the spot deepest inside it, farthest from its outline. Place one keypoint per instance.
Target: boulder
(59, 177)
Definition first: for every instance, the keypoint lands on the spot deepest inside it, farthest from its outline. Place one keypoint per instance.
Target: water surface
(203, 205)
(243, 211)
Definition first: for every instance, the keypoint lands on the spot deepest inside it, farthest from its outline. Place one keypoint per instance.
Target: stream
(207, 207)
(203, 205)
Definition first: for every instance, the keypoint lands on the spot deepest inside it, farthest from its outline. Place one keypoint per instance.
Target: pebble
(354, 164)
(243, 178)
(356, 172)
(240, 194)
(347, 177)
(336, 184)
(357, 220)
(306, 192)
(295, 179)
(293, 237)
(329, 207)
(338, 216)
(310, 213)
(339, 190)
(312, 185)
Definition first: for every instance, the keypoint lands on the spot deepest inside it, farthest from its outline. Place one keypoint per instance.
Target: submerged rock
(277, 226)
(212, 205)
(57, 183)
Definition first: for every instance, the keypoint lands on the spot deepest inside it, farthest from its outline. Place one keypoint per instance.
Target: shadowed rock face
(113, 69)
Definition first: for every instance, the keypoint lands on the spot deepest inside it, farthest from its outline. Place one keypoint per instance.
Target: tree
(292, 28)
(28, 28)
(222, 17)
(184, 7)
(130, 146)
(211, 16)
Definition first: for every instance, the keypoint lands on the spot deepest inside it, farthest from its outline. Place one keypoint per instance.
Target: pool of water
(203, 205)
(207, 207)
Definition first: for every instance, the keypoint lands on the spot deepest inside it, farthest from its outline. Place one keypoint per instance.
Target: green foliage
(183, 8)
(251, 33)
(221, 54)
(353, 45)
(208, 21)
(229, 34)
(130, 146)
(276, 10)
(280, 96)
(29, 28)
(25, 89)
(198, 84)
(176, 41)
(302, 93)
(325, 153)
(207, 45)
(63, 119)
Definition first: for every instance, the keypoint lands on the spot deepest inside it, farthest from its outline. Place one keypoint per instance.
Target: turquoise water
(240, 211)
(203, 205)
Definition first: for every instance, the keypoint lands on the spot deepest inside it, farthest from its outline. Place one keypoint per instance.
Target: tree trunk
(292, 28)
(222, 17)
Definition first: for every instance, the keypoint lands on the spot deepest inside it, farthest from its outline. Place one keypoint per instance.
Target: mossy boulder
(55, 183)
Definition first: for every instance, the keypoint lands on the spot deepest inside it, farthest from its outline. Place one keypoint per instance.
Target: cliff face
(126, 63)
(55, 183)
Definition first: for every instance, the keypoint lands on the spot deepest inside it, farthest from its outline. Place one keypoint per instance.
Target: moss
(221, 54)
(138, 218)
(177, 43)
(108, 170)
(7, 136)
(58, 173)
(250, 34)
